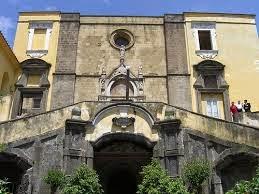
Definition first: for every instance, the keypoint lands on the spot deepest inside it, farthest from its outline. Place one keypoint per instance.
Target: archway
(236, 166)
(13, 168)
(118, 159)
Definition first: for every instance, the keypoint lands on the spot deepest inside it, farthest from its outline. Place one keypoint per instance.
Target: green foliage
(83, 181)
(247, 187)
(55, 178)
(156, 181)
(195, 172)
(2, 147)
(3, 187)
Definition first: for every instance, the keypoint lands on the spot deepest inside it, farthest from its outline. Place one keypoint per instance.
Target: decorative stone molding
(29, 67)
(124, 34)
(39, 53)
(207, 54)
(36, 53)
(106, 82)
(212, 68)
(40, 25)
(123, 122)
(202, 26)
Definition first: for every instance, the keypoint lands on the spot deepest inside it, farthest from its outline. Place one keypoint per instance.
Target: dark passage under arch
(118, 163)
(13, 168)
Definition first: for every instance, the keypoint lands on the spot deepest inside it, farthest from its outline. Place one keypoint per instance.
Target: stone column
(216, 181)
(169, 150)
(64, 77)
(75, 146)
(178, 76)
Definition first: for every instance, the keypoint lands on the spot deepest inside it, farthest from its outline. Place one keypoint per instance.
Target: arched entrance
(118, 159)
(236, 166)
(13, 168)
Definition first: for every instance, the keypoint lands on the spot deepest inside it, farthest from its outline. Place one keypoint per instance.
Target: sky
(9, 9)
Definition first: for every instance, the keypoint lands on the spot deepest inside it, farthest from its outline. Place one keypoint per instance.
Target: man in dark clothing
(234, 111)
(247, 106)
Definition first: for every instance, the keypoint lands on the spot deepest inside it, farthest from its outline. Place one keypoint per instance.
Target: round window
(122, 38)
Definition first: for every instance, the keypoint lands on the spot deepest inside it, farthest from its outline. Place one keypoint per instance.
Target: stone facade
(169, 133)
(123, 92)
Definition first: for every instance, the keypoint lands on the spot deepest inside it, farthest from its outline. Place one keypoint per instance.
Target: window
(120, 38)
(121, 41)
(205, 39)
(204, 34)
(39, 39)
(210, 81)
(212, 108)
(38, 42)
(30, 102)
(119, 88)
(33, 80)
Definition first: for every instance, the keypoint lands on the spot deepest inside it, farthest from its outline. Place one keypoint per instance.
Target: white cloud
(6, 24)
(51, 8)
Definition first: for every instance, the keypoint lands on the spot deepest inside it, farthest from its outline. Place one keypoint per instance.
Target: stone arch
(150, 118)
(16, 167)
(121, 82)
(5, 84)
(235, 165)
(118, 159)
(134, 138)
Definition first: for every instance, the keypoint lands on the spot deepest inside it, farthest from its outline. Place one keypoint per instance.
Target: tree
(195, 172)
(55, 178)
(83, 181)
(156, 181)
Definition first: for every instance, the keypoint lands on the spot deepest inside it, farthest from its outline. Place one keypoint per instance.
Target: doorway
(118, 164)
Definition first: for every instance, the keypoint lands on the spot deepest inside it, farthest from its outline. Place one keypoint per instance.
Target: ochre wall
(95, 53)
(237, 43)
(9, 66)
(21, 40)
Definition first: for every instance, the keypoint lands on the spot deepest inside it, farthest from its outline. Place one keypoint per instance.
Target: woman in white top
(239, 106)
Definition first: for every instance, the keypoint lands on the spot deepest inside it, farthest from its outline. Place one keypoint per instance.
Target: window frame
(32, 27)
(205, 26)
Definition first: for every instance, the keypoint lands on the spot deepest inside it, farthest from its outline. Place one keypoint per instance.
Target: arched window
(119, 88)
(5, 86)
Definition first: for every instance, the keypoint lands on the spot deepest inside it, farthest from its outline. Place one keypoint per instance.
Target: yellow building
(9, 71)
(37, 37)
(232, 40)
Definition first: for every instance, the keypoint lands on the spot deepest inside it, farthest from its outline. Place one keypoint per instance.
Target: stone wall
(250, 118)
(179, 90)
(95, 53)
(64, 77)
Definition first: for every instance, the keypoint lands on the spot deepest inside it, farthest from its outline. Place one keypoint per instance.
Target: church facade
(115, 91)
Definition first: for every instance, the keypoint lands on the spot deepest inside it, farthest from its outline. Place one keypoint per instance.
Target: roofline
(158, 16)
(221, 13)
(141, 16)
(13, 56)
(43, 12)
